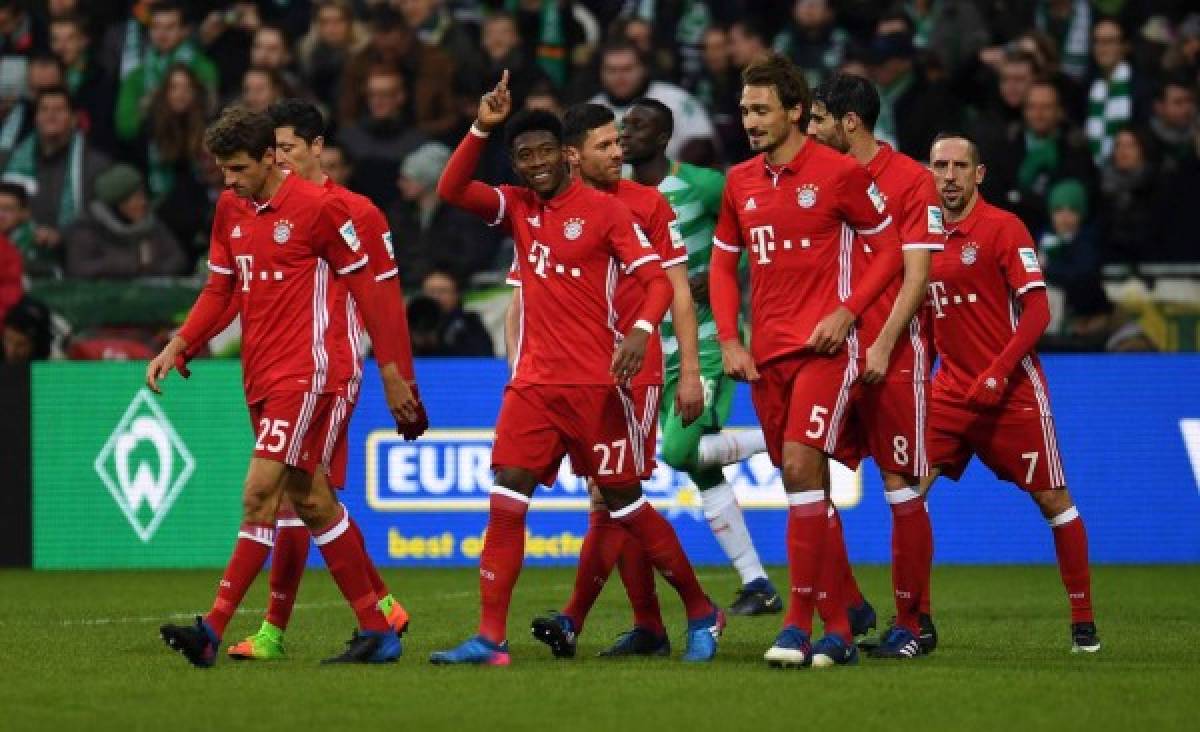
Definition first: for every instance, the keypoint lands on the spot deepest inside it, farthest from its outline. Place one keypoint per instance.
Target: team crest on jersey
(970, 253)
(573, 229)
(806, 195)
(282, 231)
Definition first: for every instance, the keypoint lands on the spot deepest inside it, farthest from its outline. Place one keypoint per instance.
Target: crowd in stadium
(1084, 112)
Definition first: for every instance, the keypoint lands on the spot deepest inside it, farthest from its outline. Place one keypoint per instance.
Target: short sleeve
(665, 233)
(728, 234)
(220, 256)
(921, 221)
(372, 229)
(335, 238)
(861, 203)
(628, 241)
(1018, 257)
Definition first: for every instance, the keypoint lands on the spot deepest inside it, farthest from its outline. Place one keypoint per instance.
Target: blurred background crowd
(1085, 112)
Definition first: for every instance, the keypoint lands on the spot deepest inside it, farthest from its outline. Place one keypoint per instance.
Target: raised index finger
(503, 84)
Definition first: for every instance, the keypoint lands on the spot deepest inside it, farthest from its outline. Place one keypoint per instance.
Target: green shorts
(718, 394)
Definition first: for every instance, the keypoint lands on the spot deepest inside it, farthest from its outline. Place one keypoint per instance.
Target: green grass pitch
(81, 651)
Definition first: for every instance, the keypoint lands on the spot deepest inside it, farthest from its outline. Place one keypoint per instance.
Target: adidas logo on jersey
(750, 205)
(237, 232)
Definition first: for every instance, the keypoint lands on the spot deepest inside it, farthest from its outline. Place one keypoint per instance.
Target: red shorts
(804, 398)
(887, 422)
(1017, 443)
(303, 430)
(608, 431)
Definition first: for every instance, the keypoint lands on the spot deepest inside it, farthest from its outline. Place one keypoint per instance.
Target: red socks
(806, 531)
(288, 560)
(662, 547)
(373, 577)
(347, 564)
(603, 543)
(1071, 547)
(912, 555)
(249, 554)
(500, 563)
(832, 587)
(637, 574)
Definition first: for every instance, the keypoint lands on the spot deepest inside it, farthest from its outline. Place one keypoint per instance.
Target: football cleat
(928, 638)
(557, 631)
(476, 650)
(757, 598)
(198, 643)
(833, 651)
(791, 649)
(369, 646)
(898, 643)
(638, 642)
(1084, 638)
(398, 618)
(702, 636)
(262, 646)
(862, 619)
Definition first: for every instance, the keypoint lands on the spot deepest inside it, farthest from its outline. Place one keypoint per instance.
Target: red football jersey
(656, 221)
(376, 237)
(990, 261)
(570, 253)
(912, 200)
(281, 258)
(797, 220)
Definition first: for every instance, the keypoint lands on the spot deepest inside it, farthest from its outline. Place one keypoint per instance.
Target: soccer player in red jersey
(594, 153)
(990, 397)
(570, 394)
(278, 241)
(887, 416)
(796, 206)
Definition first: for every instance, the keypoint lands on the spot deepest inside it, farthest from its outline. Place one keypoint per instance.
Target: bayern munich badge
(970, 253)
(806, 195)
(282, 231)
(573, 229)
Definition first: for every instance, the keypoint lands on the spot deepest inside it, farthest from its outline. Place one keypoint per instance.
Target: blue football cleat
(791, 649)
(369, 646)
(862, 619)
(198, 643)
(702, 635)
(833, 651)
(899, 643)
(475, 650)
(557, 631)
(638, 641)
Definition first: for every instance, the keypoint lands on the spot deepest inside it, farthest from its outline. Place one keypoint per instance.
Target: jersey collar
(965, 226)
(568, 193)
(883, 156)
(792, 165)
(280, 195)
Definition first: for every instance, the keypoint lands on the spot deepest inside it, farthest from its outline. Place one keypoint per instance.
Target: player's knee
(897, 482)
(620, 497)
(259, 500)
(1053, 502)
(596, 497)
(517, 480)
(801, 469)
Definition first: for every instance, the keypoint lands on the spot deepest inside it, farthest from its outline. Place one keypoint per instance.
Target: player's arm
(689, 397)
(639, 259)
(456, 185)
(1024, 275)
(210, 310)
(863, 209)
(921, 233)
(724, 292)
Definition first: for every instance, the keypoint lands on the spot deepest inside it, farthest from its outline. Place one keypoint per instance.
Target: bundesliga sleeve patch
(677, 241)
(387, 242)
(876, 197)
(349, 235)
(641, 235)
(1029, 259)
(934, 220)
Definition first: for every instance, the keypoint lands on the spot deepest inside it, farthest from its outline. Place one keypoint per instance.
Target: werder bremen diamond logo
(144, 464)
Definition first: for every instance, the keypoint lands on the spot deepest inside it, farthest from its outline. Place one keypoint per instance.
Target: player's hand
(495, 106)
(401, 401)
(689, 398)
(627, 360)
(878, 356)
(698, 284)
(988, 390)
(738, 362)
(831, 332)
(411, 430)
(181, 365)
(162, 364)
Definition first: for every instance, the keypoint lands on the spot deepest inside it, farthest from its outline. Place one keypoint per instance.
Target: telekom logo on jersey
(940, 300)
(762, 242)
(245, 265)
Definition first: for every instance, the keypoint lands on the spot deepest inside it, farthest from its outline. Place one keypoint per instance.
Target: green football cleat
(265, 645)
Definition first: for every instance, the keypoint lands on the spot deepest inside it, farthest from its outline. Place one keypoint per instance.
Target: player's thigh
(895, 424)
(1021, 446)
(679, 442)
(613, 433)
(947, 436)
(528, 437)
(263, 489)
(770, 395)
(818, 401)
(292, 428)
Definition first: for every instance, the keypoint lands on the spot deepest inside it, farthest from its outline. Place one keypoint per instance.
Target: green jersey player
(700, 449)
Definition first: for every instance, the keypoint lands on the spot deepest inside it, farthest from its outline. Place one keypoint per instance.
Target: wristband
(644, 325)
(478, 132)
